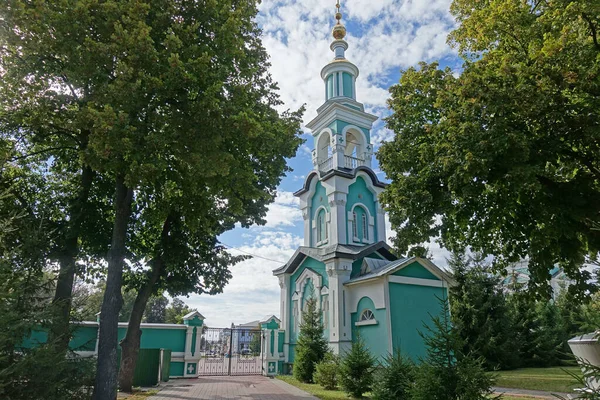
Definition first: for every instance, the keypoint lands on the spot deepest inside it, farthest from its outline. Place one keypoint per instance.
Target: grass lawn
(553, 379)
(137, 394)
(323, 394)
(315, 390)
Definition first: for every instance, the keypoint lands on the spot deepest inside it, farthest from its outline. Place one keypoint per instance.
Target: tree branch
(592, 29)
(41, 152)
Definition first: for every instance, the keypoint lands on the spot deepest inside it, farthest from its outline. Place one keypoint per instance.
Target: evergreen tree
(156, 309)
(480, 313)
(394, 381)
(356, 369)
(447, 373)
(312, 346)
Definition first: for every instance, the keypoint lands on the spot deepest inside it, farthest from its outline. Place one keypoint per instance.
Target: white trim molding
(416, 281)
(366, 323)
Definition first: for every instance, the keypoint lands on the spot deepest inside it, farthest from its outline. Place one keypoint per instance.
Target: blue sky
(385, 37)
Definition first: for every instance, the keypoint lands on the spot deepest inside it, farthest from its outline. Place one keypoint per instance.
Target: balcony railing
(326, 165)
(353, 162)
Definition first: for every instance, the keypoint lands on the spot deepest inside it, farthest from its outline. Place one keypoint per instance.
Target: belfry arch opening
(354, 153)
(324, 150)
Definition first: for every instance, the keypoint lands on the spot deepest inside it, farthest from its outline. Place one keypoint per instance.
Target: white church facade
(360, 286)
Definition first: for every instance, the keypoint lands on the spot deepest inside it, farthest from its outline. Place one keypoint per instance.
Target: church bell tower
(339, 200)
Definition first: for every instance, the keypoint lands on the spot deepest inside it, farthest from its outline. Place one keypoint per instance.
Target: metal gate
(230, 351)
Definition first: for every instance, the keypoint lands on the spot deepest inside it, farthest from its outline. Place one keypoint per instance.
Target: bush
(394, 380)
(356, 370)
(326, 372)
(447, 373)
(312, 347)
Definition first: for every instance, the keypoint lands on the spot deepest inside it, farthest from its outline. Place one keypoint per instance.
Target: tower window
(354, 225)
(322, 234)
(365, 228)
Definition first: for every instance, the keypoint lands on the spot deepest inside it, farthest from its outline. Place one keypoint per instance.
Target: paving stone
(230, 387)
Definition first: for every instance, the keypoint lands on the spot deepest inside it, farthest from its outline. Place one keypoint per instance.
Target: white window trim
(316, 227)
(366, 323)
(370, 223)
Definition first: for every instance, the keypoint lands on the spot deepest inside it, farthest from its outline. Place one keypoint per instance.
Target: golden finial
(339, 31)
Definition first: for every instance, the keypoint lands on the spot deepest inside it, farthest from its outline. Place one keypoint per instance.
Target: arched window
(365, 228)
(354, 225)
(367, 315)
(321, 227)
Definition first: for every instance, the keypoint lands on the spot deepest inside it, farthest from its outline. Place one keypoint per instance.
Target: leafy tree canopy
(504, 157)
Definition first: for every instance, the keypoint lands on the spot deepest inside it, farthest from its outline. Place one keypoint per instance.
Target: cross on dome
(339, 30)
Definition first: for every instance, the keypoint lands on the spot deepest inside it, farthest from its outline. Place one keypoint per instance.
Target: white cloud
(387, 35)
(284, 211)
(253, 291)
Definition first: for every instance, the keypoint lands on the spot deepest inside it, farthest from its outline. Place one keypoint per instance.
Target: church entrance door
(231, 351)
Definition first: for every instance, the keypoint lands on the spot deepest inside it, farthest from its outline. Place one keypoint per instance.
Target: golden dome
(339, 31)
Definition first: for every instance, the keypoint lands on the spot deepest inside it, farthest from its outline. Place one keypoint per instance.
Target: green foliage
(41, 372)
(356, 369)
(394, 380)
(156, 309)
(148, 127)
(480, 314)
(176, 311)
(503, 159)
(326, 372)
(447, 373)
(311, 345)
(255, 344)
(538, 328)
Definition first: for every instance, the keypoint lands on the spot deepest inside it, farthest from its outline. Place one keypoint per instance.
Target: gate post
(194, 322)
(270, 346)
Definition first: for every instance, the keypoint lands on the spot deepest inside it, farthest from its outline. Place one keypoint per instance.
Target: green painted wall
(416, 270)
(347, 83)
(84, 338)
(153, 338)
(280, 341)
(176, 368)
(329, 87)
(411, 307)
(359, 188)
(375, 336)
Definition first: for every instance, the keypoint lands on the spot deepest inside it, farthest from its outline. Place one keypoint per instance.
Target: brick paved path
(230, 387)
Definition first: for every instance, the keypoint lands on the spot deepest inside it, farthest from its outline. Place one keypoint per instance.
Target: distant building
(518, 275)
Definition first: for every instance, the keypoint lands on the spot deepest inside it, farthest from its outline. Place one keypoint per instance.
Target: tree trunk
(60, 330)
(130, 345)
(106, 374)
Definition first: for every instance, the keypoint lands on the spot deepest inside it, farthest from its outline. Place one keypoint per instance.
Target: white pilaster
(380, 223)
(337, 207)
(340, 332)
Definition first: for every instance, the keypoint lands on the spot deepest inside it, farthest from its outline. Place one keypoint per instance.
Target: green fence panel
(166, 364)
(146, 368)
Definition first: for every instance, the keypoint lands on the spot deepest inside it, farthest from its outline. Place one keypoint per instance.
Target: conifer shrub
(326, 372)
(356, 370)
(447, 373)
(312, 346)
(394, 380)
